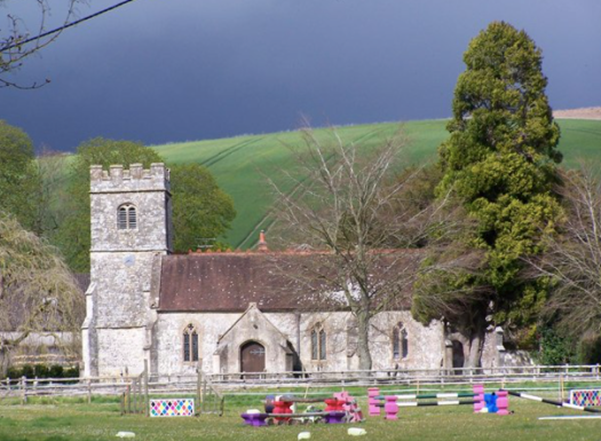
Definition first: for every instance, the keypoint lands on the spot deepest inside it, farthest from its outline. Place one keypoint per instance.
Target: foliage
(51, 209)
(42, 371)
(572, 259)
(589, 350)
(201, 210)
(500, 161)
(37, 291)
(73, 237)
(18, 175)
(554, 349)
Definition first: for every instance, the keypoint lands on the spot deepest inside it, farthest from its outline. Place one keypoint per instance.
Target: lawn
(66, 420)
(241, 164)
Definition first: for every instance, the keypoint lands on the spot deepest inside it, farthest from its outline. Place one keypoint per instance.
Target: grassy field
(241, 164)
(69, 420)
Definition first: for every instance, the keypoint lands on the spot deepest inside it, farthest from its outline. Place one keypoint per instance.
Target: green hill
(241, 164)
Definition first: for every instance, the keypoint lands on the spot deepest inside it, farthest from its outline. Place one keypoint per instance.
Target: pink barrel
(478, 397)
(502, 402)
(391, 407)
(372, 393)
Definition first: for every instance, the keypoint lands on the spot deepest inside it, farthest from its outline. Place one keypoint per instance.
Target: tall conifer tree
(500, 161)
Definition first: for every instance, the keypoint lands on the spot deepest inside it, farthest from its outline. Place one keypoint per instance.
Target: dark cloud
(160, 71)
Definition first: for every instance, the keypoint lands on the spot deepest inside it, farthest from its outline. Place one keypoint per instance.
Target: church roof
(284, 281)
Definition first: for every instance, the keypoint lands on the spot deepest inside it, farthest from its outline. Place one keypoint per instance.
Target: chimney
(262, 246)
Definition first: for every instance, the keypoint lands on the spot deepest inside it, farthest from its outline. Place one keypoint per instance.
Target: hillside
(241, 164)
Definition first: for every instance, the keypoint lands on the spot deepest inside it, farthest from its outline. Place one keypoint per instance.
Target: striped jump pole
(391, 403)
(391, 407)
(555, 403)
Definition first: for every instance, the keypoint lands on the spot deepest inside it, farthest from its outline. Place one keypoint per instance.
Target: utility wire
(68, 25)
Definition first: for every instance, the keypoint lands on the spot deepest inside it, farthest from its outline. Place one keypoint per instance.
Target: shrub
(42, 371)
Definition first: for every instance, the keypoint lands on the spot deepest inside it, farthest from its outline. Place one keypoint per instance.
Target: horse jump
(392, 403)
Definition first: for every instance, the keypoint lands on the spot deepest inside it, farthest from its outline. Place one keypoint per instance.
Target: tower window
(190, 336)
(127, 217)
(318, 343)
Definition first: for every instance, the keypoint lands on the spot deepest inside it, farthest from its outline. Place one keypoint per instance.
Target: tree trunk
(4, 361)
(473, 351)
(363, 318)
(472, 340)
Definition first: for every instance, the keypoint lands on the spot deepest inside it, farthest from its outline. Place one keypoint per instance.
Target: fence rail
(459, 376)
(209, 388)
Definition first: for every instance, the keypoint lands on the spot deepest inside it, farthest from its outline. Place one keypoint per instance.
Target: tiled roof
(228, 282)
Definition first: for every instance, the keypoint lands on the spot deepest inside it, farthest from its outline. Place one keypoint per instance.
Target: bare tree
(344, 203)
(20, 40)
(38, 293)
(572, 259)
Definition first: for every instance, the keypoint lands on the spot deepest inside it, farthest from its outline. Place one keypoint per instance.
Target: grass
(72, 419)
(241, 164)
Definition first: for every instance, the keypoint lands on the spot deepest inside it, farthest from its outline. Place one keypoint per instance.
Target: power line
(65, 26)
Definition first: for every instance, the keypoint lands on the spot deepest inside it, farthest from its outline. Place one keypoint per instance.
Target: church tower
(130, 228)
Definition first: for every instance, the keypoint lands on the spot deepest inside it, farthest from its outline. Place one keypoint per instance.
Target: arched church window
(400, 342)
(126, 217)
(190, 343)
(318, 343)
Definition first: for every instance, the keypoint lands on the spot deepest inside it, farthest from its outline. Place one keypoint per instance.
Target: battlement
(136, 178)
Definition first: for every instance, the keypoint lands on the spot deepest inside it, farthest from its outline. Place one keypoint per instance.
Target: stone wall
(425, 343)
(121, 351)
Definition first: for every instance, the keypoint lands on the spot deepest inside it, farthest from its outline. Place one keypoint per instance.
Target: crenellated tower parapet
(136, 178)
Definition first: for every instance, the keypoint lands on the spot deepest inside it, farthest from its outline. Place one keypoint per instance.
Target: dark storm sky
(175, 70)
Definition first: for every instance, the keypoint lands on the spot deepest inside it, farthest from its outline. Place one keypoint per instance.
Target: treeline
(49, 195)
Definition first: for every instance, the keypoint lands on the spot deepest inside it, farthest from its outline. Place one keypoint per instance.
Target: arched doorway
(458, 357)
(252, 357)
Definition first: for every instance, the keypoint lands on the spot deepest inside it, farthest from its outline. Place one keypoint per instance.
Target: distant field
(241, 164)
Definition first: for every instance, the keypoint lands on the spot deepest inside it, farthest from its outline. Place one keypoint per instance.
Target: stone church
(227, 312)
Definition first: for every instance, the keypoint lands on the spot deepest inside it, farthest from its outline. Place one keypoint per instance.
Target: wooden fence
(409, 377)
(134, 391)
(209, 389)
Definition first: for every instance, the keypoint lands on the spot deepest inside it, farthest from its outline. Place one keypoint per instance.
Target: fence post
(23, 390)
(136, 395)
(204, 394)
(128, 390)
(89, 383)
(146, 402)
(198, 386)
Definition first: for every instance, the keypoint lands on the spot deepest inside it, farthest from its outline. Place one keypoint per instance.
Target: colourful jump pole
(555, 403)
(393, 402)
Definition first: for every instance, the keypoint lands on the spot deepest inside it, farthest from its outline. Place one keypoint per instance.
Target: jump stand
(392, 403)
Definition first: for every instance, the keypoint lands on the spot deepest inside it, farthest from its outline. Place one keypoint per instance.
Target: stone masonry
(142, 300)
